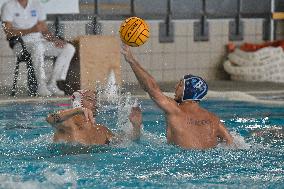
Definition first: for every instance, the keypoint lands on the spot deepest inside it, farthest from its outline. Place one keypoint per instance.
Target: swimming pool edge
(218, 95)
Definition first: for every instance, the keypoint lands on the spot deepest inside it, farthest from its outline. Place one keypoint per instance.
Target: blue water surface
(29, 159)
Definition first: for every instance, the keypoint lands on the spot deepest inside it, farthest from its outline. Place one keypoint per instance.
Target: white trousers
(40, 49)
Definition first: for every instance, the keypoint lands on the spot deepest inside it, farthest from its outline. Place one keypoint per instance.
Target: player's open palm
(135, 116)
(125, 50)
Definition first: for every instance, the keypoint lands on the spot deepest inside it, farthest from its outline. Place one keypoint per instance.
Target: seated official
(26, 18)
(78, 124)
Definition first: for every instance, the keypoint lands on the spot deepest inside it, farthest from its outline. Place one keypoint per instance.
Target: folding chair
(24, 56)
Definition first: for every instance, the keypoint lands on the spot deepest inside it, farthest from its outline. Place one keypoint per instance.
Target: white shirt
(24, 18)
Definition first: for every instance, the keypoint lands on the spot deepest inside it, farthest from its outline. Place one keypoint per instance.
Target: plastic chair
(24, 56)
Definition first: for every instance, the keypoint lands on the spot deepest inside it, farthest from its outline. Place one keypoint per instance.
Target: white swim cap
(77, 98)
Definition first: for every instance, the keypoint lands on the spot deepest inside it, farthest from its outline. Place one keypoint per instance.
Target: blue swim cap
(195, 88)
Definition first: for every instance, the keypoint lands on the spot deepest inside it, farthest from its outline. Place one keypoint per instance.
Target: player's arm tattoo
(56, 117)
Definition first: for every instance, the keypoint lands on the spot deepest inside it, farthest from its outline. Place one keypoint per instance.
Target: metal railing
(177, 9)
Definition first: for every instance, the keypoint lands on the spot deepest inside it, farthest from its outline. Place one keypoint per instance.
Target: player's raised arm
(148, 83)
(60, 116)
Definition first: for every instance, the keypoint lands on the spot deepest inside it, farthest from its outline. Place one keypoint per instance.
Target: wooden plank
(98, 56)
(278, 15)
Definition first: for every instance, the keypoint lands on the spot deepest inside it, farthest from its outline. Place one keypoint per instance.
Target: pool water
(29, 159)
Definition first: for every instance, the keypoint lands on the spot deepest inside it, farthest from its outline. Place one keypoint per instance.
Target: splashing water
(111, 97)
(238, 142)
(29, 159)
(111, 90)
(124, 106)
(53, 176)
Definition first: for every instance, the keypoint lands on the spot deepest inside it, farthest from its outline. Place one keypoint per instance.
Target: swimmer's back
(193, 128)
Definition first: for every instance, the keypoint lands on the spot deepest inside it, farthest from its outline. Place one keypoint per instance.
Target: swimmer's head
(190, 88)
(84, 98)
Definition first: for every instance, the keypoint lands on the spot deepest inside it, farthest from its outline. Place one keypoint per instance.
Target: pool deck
(260, 92)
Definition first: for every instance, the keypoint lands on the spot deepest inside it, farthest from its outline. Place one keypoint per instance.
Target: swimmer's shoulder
(73, 122)
(107, 132)
(77, 119)
(104, 128)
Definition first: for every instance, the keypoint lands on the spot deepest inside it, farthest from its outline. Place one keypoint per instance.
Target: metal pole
(132, 9)
(203, 17)
(96, 7)
(272, 23)
(168, 18)
(238, 18)
(56, 26)
(96, 10)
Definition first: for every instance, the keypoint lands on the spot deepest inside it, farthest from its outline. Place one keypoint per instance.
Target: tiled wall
(280, 30)
(167, 62)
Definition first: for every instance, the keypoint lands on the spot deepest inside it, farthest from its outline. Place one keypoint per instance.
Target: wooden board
(98, 56)
(278, 15)
(95, 57)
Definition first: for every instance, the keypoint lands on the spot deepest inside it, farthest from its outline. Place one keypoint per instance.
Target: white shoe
(43, 91)
(55, 90)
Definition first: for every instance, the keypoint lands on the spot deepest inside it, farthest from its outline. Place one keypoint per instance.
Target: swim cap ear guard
(76, 99)
(195, 88)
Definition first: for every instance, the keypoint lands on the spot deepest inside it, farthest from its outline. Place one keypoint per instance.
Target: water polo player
(188, 125)
(79, 125)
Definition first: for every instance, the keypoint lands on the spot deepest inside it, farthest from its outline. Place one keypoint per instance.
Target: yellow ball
(134, 31)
